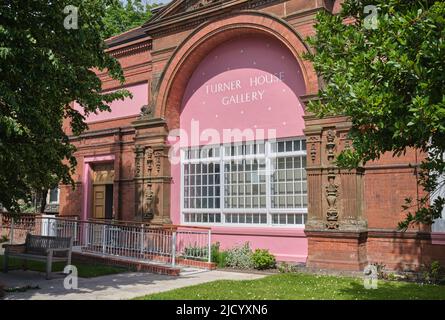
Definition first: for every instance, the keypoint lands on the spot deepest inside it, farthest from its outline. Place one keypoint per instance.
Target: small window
(54, 195)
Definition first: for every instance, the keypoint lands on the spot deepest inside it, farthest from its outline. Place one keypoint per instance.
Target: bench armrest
(14, 248)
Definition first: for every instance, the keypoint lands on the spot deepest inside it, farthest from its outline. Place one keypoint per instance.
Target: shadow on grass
(394, 290)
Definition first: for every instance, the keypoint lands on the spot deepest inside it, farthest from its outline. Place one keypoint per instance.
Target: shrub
(285, 267)
(195, 252)
(215, 253)
(262, 259)
(199, 253)
(222, 263)
(4, 238)
(239, 257)
(381, 273)
(432, 273)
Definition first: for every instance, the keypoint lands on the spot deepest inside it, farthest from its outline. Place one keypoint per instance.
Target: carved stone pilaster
(152, 171)
(336, 228)
(335, 195)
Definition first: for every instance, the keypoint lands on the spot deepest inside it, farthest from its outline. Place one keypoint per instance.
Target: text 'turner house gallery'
(216, 134)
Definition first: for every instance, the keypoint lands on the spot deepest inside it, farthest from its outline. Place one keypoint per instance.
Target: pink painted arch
(198, 45)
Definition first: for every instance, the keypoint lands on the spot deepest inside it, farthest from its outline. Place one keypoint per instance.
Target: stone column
(336, 228)
(152, 170)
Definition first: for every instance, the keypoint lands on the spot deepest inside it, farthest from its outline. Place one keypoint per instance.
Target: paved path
(111, 287)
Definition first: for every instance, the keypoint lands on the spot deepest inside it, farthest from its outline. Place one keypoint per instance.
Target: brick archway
(194, 48)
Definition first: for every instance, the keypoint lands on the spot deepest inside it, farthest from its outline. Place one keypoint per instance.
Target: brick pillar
(152, 170)
(336, 228)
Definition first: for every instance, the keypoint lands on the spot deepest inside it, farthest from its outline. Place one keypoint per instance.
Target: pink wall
(122, 108)
(287, 244)
(249, 83)
(227, 91)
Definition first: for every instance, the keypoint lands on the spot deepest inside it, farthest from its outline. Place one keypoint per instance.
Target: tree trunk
(43, 195)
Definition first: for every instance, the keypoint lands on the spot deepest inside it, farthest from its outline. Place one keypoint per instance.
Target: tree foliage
(390, 81)
(44, 67)
(122, 16)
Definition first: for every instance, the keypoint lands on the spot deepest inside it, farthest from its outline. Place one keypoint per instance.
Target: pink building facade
(217, 135)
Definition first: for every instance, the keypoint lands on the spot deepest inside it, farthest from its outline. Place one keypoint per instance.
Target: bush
(195, 252)
(432, 273)
(199, 253)
(239, 257)
(218, 257)
(262, 259)
(284, 267)
(222, 263)
(215, 254)
(381, 273)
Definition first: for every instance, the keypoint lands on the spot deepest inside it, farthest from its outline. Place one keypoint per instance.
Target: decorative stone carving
(148, 111)
(158, 156)
(149, 161)
(312, 141)
(149, 203)
(331, 188)
(331, 197)
(313, 152)
(139, 151)
(198, 4)
(330, 145)
(152, 187)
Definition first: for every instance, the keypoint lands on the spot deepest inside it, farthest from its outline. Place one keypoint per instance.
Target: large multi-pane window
(250, 183)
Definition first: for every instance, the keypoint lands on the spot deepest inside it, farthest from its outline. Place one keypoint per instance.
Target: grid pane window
(202, 185)
(250, 183)
(244, 185)
(246, 218)
(202, 217)
(289, 182)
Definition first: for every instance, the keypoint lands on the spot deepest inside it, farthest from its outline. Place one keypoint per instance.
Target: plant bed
(251, 271)
(242, 257)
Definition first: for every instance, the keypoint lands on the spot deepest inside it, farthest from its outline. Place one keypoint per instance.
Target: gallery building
(216, 135)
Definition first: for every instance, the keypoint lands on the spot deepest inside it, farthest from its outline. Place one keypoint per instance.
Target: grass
(298, 286)
(84, 270)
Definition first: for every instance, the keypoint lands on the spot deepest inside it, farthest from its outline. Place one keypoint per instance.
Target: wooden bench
(40, 248)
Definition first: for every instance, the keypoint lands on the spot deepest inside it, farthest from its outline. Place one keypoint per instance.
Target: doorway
(103, 179)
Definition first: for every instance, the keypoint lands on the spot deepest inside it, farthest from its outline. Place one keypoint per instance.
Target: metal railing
(163, 243)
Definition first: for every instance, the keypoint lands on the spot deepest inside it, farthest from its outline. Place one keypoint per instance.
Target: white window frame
(48, 197)
(268, 155)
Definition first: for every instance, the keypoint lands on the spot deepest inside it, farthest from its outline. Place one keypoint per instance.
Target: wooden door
(99, 202)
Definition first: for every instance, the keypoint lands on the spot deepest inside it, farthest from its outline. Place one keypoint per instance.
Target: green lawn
(301, 286)
(84, 270)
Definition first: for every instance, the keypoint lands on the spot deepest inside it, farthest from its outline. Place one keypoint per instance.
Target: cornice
(131, 48)
(187, 20)
(102, 133)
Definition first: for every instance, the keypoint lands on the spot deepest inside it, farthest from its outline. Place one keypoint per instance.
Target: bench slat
(36, 257)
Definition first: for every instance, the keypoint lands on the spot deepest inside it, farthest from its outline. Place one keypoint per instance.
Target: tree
(383, 65)
(122, 16)
(46, 62)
